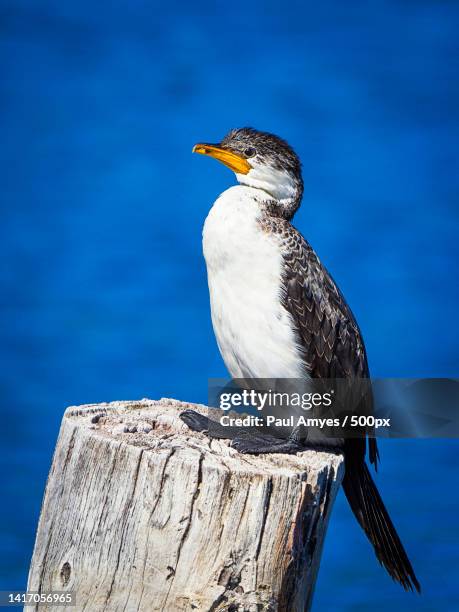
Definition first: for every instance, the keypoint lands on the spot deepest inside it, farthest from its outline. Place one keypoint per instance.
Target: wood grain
(140, 513)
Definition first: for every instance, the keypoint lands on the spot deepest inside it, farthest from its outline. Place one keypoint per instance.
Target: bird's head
(263, 161)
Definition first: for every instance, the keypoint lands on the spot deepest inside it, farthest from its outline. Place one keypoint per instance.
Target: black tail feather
(373, 452)
(369, 509)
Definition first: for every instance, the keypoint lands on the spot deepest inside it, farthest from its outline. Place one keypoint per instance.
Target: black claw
(265, 444)
(194, 420)
(244, 446)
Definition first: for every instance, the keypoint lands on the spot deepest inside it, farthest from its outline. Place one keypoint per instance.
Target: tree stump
(142, 514)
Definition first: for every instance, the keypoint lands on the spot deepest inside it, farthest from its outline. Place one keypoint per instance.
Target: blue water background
(103, 286)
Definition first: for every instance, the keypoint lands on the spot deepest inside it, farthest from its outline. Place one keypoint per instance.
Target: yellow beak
(232, 160)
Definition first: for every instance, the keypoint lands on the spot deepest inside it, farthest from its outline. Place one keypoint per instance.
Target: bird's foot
(194, 420)
(247, 442)
(259, 444)
(198, 422)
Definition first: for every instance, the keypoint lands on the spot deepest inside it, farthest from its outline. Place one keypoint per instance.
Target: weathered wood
(142, 514)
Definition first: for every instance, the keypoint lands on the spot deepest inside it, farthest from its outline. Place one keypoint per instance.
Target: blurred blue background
(103, 286)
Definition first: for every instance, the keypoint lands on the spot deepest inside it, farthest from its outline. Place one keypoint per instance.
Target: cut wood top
(140, 513)
(153, 425)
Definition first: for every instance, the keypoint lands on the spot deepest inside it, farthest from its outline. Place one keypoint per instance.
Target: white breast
(254, 331)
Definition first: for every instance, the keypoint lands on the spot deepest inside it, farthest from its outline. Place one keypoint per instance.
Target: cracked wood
(142, 514)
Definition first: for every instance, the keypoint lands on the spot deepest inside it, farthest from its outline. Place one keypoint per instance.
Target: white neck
(279, 185)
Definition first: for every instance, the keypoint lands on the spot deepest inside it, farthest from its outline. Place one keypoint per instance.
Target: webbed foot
(194, 420)
(258, 444)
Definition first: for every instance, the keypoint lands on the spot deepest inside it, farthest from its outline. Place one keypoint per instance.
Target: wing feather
(326, 329)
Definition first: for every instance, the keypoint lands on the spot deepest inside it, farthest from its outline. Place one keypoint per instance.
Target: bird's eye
(250, 152)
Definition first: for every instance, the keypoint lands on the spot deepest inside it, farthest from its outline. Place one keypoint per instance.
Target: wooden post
(142, 514)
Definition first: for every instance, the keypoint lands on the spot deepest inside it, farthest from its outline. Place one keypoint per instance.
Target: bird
(277, 313)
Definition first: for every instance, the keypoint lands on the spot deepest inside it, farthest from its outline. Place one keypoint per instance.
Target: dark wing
(333, 348)
(331, 339)
(327, 331)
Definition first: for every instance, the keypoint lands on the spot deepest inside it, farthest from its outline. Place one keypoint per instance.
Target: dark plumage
(273, 151)
(333, 348)
(326, 331)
